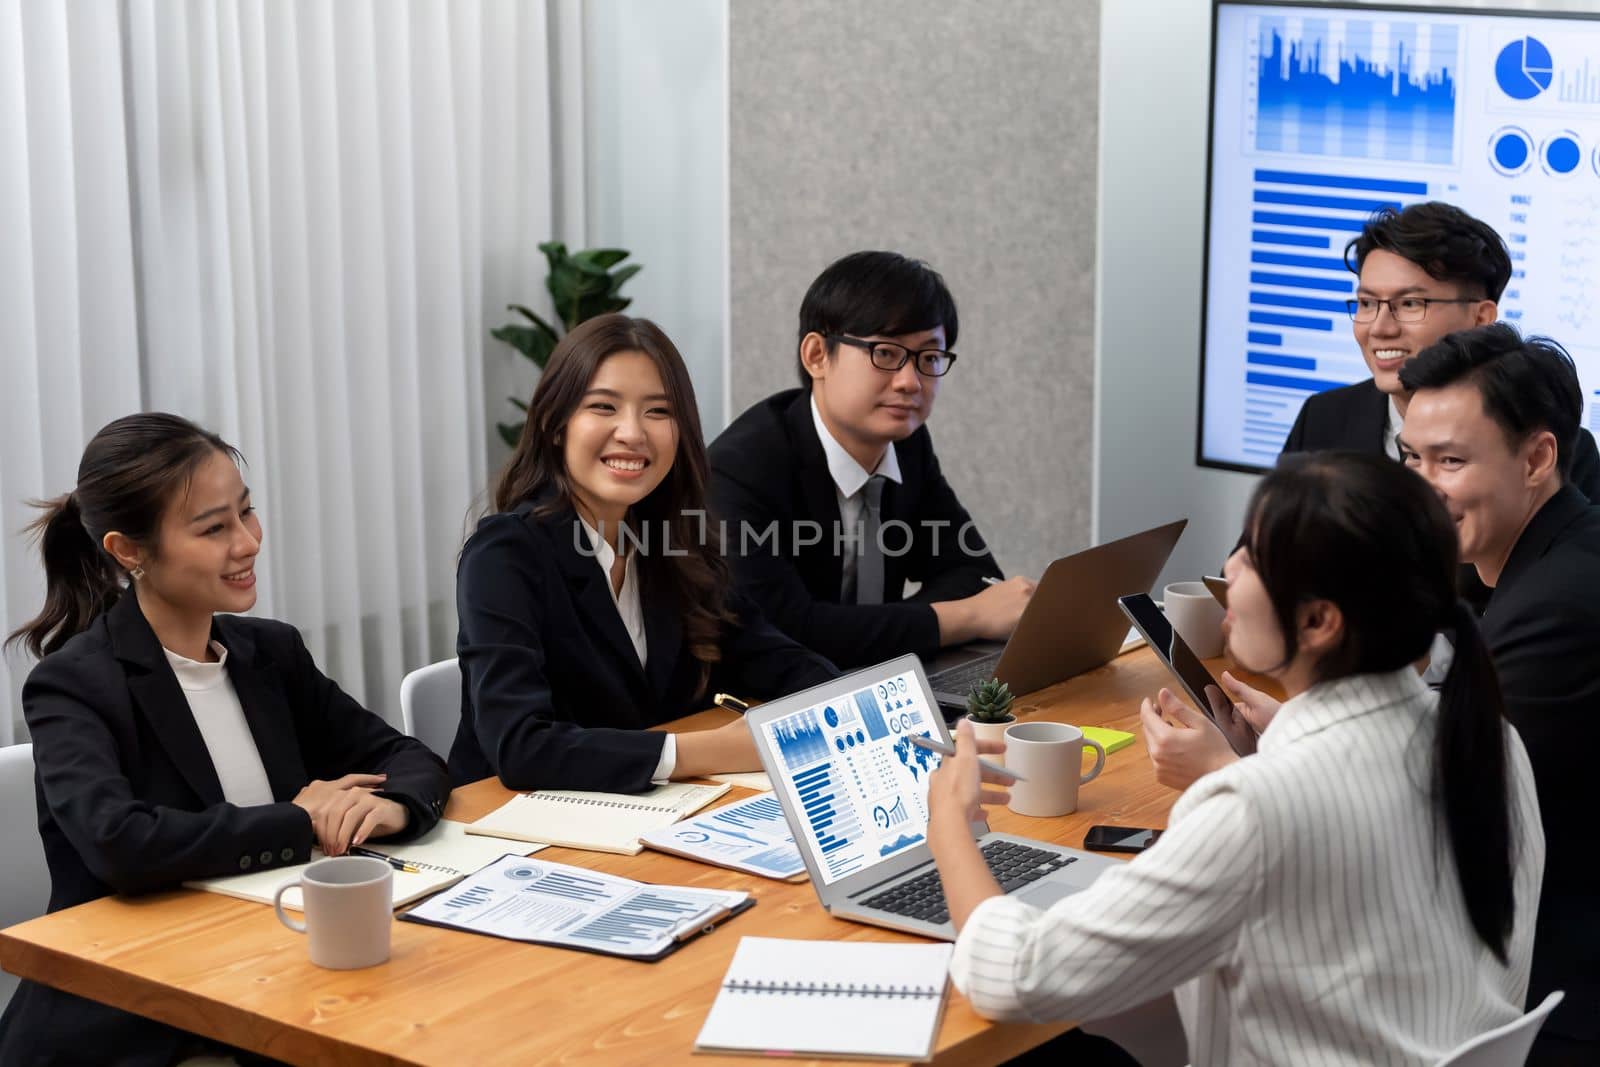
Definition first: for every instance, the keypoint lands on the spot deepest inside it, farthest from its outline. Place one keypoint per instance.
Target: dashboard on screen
(1321, 115)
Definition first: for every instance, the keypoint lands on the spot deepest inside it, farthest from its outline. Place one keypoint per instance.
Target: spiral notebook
(599, 822)
(851, 999)
(442, 857)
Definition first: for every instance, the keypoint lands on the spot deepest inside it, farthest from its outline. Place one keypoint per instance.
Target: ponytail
(1471, 805)
(80, 580)
(130, 472)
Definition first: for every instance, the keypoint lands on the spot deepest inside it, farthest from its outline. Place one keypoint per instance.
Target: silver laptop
(1071, 623)
(855, 792)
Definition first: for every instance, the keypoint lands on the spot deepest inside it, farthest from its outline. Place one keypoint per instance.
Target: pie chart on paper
(1524, 68)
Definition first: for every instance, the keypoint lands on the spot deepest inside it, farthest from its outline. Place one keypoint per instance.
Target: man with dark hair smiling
(1490, 425)
(1423, 272)
(831, 493)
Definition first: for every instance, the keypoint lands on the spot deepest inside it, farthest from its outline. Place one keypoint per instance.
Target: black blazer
(552, 692)
(1542, 626)
(1354, 418)
(768, 470)
(129, 800)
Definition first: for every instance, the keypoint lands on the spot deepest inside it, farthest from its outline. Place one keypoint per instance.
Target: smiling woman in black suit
(596, 602)
(172, 742)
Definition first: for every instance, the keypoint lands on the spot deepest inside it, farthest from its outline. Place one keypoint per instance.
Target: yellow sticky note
(1110, 740)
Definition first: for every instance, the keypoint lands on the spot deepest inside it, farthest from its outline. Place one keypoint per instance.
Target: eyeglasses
(886, 355)
(1403, 308)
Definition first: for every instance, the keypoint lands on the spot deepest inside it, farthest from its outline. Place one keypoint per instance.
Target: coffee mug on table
(349, 910)
(1049, 755)
(1196, 615)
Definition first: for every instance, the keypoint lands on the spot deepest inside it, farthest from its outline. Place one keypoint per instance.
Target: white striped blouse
(1297, 904)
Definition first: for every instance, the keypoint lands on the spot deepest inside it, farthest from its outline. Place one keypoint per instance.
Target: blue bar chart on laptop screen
(860, 786)
(1324, 115)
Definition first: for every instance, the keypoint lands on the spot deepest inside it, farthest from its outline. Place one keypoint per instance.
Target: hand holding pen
(994, 770)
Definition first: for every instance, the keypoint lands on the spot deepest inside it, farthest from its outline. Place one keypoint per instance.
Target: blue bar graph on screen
(1302, 281)
(1272, 318)
(1296, 240)
(1261, 337)
(832, 820)
(1286, 259)
(800, 740)
(1272, 359)
(1284, 381)
(876, 729)
(1379, 89)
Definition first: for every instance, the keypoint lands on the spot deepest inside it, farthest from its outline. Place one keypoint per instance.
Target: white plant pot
(992, 731)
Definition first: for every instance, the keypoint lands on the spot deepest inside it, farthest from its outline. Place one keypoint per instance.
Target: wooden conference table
(226, 968)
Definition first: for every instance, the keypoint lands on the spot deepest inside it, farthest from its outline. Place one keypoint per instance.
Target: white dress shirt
(1295, 904)
(848, 479)
(216, 709)
(631, 610)
(1392, 432)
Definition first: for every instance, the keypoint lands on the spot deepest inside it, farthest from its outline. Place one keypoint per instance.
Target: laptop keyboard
(962, 677)
(1013, 866)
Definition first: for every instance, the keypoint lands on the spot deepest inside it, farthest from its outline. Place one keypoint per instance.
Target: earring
(136, 574)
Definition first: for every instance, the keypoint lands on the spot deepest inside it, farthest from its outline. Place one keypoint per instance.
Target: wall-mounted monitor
(1322, 114)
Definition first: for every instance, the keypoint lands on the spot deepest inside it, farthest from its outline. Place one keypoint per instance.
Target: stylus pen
(989, 579)
(949, 750)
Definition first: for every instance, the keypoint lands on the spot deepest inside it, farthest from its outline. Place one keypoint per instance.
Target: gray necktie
(869, 564)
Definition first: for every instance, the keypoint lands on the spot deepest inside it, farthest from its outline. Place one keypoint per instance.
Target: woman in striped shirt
(1363, 889)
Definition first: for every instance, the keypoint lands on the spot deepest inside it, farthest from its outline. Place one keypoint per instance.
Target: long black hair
(697, 572)
(1370, 536)
(130, 472)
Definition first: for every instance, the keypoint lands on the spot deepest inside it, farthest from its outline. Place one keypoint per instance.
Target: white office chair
(1504, 1046)
(430, 705)
(24, 878)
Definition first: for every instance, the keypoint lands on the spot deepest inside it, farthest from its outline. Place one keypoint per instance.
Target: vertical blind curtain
(294, 222)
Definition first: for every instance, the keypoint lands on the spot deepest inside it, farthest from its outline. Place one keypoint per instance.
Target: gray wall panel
(964, 134)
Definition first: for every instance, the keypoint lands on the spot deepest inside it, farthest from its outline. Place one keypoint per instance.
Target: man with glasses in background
(831, 495)
(1423, 272)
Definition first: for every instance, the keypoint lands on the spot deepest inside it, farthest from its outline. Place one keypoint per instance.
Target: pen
(949, 750)
(730, 702)
(989, 579)
(399, 865)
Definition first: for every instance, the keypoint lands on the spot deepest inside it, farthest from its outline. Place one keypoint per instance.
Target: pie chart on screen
(1524, 68)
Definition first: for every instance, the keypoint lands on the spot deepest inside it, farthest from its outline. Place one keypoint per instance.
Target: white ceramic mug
(1196, 615)
(1049, 755)
(349, 910)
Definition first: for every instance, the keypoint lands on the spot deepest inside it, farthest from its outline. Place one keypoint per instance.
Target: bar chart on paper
(1324, 115)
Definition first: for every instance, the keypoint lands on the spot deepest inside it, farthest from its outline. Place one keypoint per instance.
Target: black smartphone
(1165, 642)
(1120, 838)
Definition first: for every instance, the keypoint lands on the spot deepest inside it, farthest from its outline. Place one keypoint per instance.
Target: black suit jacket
(1542, 626)
(129, 800)
(1354, 418)
(768, 470)
(552, 692)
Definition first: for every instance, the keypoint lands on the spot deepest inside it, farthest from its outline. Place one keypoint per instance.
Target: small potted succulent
(989, 711)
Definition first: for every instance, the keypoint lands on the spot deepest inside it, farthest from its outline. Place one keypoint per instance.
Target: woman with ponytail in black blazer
(172, 742)
(596, 602)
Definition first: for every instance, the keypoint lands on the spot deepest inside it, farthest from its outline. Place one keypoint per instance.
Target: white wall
(655, 127)
(1152, 192)
(1152, 202)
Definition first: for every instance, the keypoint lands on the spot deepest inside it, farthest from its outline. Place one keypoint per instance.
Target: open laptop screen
(847, 767)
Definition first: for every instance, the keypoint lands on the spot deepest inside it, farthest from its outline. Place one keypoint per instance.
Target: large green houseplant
(582, 285)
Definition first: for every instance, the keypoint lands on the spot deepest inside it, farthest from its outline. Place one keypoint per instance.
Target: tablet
(1184, 664)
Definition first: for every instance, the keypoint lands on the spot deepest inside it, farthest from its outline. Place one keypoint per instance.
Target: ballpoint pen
(949, 750)
(399, 865)
(730, 702)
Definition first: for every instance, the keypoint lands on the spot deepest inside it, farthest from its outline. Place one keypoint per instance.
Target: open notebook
(600, 822)
(856, 999)
(444, 855)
